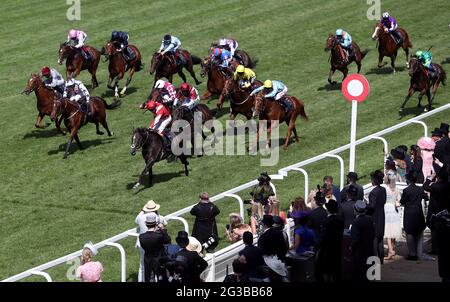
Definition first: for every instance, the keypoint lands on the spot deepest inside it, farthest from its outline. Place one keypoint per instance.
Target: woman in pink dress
(89, 271)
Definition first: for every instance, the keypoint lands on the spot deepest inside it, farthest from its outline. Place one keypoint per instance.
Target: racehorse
(164, 66)
(240, 100)
(337, 57)
(387, 46)
(420, 81)
(240, 55)
(75, 61)
(216, 77)
(74, 118)
(271, 110)
(45, 97)
(118, 65)
(153, 150)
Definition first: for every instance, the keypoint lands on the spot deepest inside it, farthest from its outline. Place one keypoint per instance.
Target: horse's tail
(364, 53)
(443, 76)
(195, 60)
(116, 103)
(139, 65)
(302, 110)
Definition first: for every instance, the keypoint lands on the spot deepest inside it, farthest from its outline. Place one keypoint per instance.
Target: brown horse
(420, 81)
(164, 66)
(216, 77)
(74, 118)
(271, 110)
(75, 61)
(240, 100)
(387, 46)
(118, 65)
(45, 97)
(338, 57)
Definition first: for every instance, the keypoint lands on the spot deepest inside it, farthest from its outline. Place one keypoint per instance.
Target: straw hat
(194, 245)
(151, 206)
(91, 247)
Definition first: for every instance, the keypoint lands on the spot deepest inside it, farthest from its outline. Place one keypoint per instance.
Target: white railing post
(122, 260)
(213, 268)
(341, 161)
(385, 144)
(240, 201)
(43, 274)
(301, 170)
(185, 223)
(425, 127)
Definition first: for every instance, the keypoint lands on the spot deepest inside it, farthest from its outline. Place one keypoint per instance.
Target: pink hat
(426, 143)
(72, 33)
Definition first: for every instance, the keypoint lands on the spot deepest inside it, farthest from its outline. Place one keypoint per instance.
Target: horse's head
(110, 49)
(331, 42)
(138, 139)
(156, 61)
(64, 50)
(57, 105)
(33, 84)
(260, 105)
(413, 65)
(377, 31)
(228, 87)
(205, 66)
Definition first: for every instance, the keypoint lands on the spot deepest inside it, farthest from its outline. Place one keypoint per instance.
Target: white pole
(353, 136)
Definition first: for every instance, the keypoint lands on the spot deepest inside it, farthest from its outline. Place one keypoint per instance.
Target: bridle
(143, 140)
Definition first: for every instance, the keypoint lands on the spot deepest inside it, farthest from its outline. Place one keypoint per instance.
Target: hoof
(136, 185)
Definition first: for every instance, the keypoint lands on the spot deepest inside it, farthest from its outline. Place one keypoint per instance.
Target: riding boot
(398, 37)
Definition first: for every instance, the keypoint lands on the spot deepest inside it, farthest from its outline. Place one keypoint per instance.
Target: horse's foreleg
(183, 159)
(421, 94)
(39, 118)
(393, 63)
(58, 125)
(181, 74)
(428, 107)
(73, 134)
(380, 60)
(130, 76)
(78, 142)
(330, 74)
(345, 72)
(408, 96)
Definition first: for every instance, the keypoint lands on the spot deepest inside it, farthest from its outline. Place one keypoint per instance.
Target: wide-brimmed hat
(276, 265)
(182, 239)
(194, 245)
(91, 247)
(151, 206)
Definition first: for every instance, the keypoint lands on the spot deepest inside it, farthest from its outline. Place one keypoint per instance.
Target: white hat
(151, 218)
(151, 206)
(91, 246)
(276, 265)
(194, 245)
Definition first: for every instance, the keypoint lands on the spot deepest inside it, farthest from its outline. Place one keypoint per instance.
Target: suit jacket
(362, 233)
(359, 194)
(439, 197)
(271, 242)
(205, 222)
(153, 244)
(254, 257)
(315, 223)
(330, 254)
(348, 212)
(442, 150)
(193, 265)
(413, 218)
(375, 208)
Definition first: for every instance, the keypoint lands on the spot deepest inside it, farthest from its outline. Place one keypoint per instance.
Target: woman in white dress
(392, 228)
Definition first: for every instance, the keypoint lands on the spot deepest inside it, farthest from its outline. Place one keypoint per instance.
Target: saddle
(86, 53)
(286, 104)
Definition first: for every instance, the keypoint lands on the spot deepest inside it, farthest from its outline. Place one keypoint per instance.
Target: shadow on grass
(42, 133)
(330, 87)
(110, 93)
(446, 61)
(157, 178)
(385, 70)
(86, 145)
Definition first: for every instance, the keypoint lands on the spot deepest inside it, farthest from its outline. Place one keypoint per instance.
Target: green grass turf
(51, 206)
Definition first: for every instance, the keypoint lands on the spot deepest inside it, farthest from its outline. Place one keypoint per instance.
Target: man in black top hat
(352, 178)
(442, 148)
(348, 204)
(271, 242)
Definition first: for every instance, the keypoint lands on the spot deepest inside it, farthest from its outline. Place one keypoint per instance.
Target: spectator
(375, 208)
(239, 273)
(328, 181)
(271, 242)
(408, 161)
(236, 228)
(441, 222)
(317, 218)
(392, 228)
(427, 146)
(362, 233)
(303, 236)
(278, 224)
(417, 163)
(262, 191)
(277, 269)
(328, 266)
(413, 219)
(252, 256)
(150, 207)
(189, 256)
(327, 191)
(89, 271)
(398, 157)
(205, 227)
(352, 178)
(442, 149)
(298, 208)
(256, 215)
(348, 205)
(390, 167)
(153, 242)
(439, 189)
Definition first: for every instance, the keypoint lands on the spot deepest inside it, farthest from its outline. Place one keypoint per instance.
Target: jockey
(78, 37)
(167, 90)
(170, 44)
(188, 95)
(230, 44)
(122, 38)
(390, 26)
(222, 56)
(53, 79)
(272, 89)
(162, 116)
(426, 58)
(246, 76)
(76, 91)
(345, 40)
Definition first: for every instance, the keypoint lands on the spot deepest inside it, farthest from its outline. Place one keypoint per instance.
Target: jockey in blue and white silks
(345, 40)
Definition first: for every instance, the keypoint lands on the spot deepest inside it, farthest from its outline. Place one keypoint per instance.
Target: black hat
(267, 220)
(398, 154)
(319, 198)
(352, 175)
(437, 132)
(182, 239)
(264, 177)
(444, 128)
(332, 206)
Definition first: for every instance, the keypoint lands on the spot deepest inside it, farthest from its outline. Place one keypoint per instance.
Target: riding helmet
(267, 84)
(240, 69)
(167, 38)
(184, 87)
(339, 32)
(385, 15)
(45, 71)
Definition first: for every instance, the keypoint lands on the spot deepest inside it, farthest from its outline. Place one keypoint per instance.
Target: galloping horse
(240, 55)
(118, 65)
(45, 97)
(387, 46)
(153, 150)
(420, 81)
(216, 77)
(337, 57)
(74, 118)
(163, 66)
(271, 110)
(240, 100)
(75, 62)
